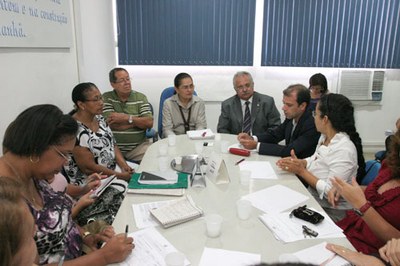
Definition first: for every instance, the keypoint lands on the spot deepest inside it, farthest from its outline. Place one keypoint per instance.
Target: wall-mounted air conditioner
(362, 85)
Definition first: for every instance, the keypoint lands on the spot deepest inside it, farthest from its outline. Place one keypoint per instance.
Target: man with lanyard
(183, 111)
(298, 130)
(128, 114)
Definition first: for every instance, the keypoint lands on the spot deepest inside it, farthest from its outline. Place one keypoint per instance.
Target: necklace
(27, 187)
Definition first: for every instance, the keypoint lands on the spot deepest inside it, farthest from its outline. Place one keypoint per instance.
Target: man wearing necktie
(298, 130)
(247, 111)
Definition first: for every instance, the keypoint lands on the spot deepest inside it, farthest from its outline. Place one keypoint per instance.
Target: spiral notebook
(177, 212)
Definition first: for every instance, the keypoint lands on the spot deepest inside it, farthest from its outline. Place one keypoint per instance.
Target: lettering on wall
(35, 23)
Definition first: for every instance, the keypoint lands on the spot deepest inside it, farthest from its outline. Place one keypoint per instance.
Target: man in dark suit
(263, 114)
(298, 130)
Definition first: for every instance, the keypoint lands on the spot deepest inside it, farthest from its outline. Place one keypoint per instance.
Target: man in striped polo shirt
(128, 114)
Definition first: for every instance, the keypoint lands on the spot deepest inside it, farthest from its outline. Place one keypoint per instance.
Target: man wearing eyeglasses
(247, 111)
(128, 114)
(298, 130)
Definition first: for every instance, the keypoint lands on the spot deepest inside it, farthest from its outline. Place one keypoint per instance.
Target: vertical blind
(331, 33)
(185, 32)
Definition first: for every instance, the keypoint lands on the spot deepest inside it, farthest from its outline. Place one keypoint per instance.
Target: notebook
(200, 134)
(177, 212)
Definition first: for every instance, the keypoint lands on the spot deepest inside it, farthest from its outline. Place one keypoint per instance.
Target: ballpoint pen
(238, 162)
(126, 231)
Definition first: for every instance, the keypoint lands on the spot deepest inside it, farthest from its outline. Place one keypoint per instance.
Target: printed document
(150, 249)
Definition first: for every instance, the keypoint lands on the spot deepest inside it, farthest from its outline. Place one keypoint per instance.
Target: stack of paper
(270, 200)
(259, 169)
(289, 229)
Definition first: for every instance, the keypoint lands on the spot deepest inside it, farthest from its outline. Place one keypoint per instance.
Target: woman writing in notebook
(36, 145)
(183, 111)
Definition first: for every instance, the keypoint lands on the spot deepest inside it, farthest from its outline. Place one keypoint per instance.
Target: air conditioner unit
(362, 85)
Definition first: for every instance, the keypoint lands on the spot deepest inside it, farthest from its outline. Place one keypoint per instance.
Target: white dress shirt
(338, 159)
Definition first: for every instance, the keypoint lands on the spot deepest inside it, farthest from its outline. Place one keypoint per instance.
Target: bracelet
(363, 209)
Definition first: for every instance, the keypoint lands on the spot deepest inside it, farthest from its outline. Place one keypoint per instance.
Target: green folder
(182, 182)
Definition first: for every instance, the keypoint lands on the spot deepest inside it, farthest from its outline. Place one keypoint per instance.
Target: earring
(34, 161)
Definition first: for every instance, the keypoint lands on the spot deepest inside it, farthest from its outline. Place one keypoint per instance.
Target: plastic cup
(163, 163)
(178, 160)
(175, 259)
(163, 149)
(198, 147)
(224, 146)
(244, 208)
(171, 140)
(245, 177)
(213, 224)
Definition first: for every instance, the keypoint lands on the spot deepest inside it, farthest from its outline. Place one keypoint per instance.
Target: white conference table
(248, 236)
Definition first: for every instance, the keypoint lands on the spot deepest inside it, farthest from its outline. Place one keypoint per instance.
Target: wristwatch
(130, 119)
(363, 209)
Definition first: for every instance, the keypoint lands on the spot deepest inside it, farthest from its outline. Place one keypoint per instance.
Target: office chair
(371, 171)
(166, 93)
(151, 133)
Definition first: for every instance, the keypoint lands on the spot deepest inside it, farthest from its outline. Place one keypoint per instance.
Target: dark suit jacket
(264, 115)
(304, 139)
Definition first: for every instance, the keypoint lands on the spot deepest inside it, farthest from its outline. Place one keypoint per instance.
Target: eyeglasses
(245, 86)
(65, 156)
(123, 80)
(95, 99)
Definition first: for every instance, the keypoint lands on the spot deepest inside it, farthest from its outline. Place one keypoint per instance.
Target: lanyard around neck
(185, 122)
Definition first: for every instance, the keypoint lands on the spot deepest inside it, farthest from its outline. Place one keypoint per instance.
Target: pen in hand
(126, 231)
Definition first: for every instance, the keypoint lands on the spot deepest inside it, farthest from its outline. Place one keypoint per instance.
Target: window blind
(331, 33)
(185, 32)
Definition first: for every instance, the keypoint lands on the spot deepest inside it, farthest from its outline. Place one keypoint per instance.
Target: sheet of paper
(288, 229)
(150, 249)
(316, 255)
(270, 199)
(259, 169)
(141, 213)
(221, 257)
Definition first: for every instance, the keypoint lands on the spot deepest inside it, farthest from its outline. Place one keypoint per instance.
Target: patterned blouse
(101, 145)
(57, 234)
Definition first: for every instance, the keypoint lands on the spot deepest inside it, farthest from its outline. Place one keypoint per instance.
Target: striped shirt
(136, 105)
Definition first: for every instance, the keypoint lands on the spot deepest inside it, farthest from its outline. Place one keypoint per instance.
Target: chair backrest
(151, 133)
(166, 93)
(371, 169)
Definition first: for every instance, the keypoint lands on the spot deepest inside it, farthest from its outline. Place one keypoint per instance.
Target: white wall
(32, 76)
